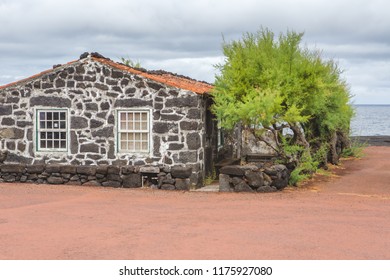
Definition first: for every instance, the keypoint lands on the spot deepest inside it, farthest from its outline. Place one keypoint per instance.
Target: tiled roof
(163, 77)
(36, 75)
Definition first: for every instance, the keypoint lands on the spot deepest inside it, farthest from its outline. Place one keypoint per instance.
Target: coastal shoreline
(372, 140)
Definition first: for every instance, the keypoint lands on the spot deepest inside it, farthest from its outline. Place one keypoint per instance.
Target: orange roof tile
(163, 77)
(167, 78)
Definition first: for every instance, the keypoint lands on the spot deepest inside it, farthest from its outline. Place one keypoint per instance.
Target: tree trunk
(239, 139)
(339, 141)
(299, 135)
(332, 155)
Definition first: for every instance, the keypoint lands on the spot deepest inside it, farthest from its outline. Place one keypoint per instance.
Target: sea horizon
(371, 120)
(370, 104)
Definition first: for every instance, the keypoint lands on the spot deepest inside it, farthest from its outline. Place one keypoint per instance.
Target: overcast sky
(185, 36)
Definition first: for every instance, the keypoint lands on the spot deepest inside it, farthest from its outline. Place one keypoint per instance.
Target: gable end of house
(94, 111)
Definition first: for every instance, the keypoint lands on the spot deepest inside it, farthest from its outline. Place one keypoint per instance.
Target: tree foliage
(276, 85)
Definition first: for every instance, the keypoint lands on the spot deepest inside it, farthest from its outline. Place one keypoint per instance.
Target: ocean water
(371, 120)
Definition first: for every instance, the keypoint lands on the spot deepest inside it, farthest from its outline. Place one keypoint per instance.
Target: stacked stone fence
(159, 177)
(253, 178)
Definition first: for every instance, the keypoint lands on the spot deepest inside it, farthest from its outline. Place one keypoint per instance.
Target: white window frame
(55, 128)
(120, 130)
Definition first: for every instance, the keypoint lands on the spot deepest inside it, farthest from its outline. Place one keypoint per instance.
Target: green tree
(276, 85)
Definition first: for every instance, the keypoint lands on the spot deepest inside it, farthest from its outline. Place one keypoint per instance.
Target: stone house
(96, 112)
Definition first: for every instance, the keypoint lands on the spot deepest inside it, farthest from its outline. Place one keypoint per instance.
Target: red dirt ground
(346, 216)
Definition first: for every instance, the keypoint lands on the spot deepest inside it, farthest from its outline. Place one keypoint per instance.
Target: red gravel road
(338, 217)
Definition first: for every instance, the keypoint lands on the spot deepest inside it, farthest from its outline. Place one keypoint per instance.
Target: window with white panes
(52, 130)
(133, 131)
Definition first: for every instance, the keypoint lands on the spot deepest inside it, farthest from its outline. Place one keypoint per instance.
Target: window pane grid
(52, 130)
(134, 131)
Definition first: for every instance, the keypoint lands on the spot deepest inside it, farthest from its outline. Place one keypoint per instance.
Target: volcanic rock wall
(92, 93)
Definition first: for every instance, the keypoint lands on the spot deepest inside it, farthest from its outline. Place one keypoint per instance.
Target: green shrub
(305, 169)
(269, 84)
(355, 150)
(211, 178)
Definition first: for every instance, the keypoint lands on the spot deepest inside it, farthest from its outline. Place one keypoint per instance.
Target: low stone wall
(159, 177)
(253, 178)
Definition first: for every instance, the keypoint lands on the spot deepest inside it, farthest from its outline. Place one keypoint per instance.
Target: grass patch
(211, 178)
(324, 172)
(355, 150)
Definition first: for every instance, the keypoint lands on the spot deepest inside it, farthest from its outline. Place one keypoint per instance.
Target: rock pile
(253, 178)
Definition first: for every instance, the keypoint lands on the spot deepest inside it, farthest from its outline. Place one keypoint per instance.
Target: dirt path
(345, 217)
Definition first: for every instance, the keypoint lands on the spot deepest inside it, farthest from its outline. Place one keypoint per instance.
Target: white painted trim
(149, 153)
(35, 132)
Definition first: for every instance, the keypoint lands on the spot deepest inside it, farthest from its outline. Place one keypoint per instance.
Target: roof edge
(38, 75)
(161, 76)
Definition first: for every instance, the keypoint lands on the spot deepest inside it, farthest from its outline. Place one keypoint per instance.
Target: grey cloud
(355, 51)
(184, 36)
